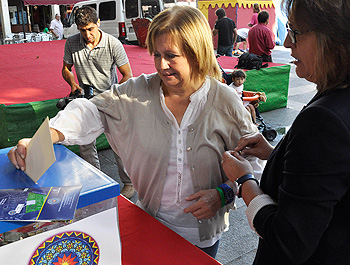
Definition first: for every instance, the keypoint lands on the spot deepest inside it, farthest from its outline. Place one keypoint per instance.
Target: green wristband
(222, 196)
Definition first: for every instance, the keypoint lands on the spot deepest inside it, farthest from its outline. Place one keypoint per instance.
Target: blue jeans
(211, 251)
(225, 50)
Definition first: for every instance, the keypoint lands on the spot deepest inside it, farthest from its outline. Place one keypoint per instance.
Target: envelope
(40, 152)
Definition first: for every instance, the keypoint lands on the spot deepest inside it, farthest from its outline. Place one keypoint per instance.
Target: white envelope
(40, 152)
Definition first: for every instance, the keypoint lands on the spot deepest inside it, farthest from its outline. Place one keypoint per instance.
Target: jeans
(89, 153)
(211, 251)
(225, 50)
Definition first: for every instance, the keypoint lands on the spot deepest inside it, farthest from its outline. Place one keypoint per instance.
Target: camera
(88, 93)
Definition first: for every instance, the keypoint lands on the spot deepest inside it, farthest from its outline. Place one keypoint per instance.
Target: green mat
(274, 81)
(22, 120)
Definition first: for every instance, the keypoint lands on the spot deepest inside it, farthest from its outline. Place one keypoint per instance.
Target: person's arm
(208, 202)
(235, 166)
(126, 72)
(254, 144)
(234, 36)
(68, 76)
(78, 124)
(269, 41)
(52, 31)
(215, 31)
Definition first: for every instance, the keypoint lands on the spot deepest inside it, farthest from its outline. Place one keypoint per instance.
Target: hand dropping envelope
(40, 152)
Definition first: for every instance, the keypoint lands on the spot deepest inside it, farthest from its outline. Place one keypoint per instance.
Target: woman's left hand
(207, 205)
(235, 166)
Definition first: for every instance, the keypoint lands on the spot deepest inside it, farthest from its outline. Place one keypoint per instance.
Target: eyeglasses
(292, 33)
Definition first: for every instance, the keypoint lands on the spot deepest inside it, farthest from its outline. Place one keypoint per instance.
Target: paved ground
(239, 244)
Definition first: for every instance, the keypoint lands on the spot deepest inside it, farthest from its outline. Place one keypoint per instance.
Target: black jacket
(308, 174)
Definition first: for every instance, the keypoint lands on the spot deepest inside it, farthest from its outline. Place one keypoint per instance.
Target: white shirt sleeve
(258, 166)
(79, 122)
(255, 205)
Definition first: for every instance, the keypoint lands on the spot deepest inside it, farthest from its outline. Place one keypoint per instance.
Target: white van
(114, 18)
(140, 9)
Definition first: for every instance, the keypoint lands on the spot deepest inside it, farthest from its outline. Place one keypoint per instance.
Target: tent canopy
(50, 2)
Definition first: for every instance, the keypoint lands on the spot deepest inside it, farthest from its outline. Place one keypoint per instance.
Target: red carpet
(32, 71)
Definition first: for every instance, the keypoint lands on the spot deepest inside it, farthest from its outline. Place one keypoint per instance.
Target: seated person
(250, 99)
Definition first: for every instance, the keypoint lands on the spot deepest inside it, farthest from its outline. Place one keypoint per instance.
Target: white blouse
(178, 181)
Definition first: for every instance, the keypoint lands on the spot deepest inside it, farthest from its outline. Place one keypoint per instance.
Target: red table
(146, 241)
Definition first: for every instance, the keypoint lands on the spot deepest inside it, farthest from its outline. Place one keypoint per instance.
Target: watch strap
(246, 177)
(243, 179)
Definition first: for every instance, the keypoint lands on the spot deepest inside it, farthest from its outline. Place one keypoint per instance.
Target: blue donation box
(98, 193)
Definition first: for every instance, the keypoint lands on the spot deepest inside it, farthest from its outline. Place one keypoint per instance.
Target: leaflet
(39, 204)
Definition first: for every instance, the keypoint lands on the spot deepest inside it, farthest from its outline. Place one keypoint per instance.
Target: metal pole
(23, 25)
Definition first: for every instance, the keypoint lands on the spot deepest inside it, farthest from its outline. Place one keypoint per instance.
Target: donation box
(92, 237)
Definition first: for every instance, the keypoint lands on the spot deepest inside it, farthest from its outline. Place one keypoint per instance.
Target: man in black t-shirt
(227, 33)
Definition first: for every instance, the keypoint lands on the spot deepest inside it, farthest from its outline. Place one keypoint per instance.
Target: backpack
(250, 61)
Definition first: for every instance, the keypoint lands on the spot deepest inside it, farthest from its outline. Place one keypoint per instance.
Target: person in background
(56, 27)
(95, 56)
(170, 128)
(242, 36)
(261, 38)
(254, 19)
(301, 210)
(46, 30)
(226, 28)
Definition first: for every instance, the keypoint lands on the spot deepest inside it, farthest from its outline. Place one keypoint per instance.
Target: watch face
(230, 195)
(228, 192)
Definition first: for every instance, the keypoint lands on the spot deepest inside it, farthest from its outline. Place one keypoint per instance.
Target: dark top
(225, 27)
(308, 175)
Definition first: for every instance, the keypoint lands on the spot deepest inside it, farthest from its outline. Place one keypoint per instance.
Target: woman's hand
(235, 166)
(18, 154)
(207, 205)
(254, 145)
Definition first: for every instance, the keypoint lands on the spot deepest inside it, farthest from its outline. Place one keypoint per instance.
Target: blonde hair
(190, 29)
